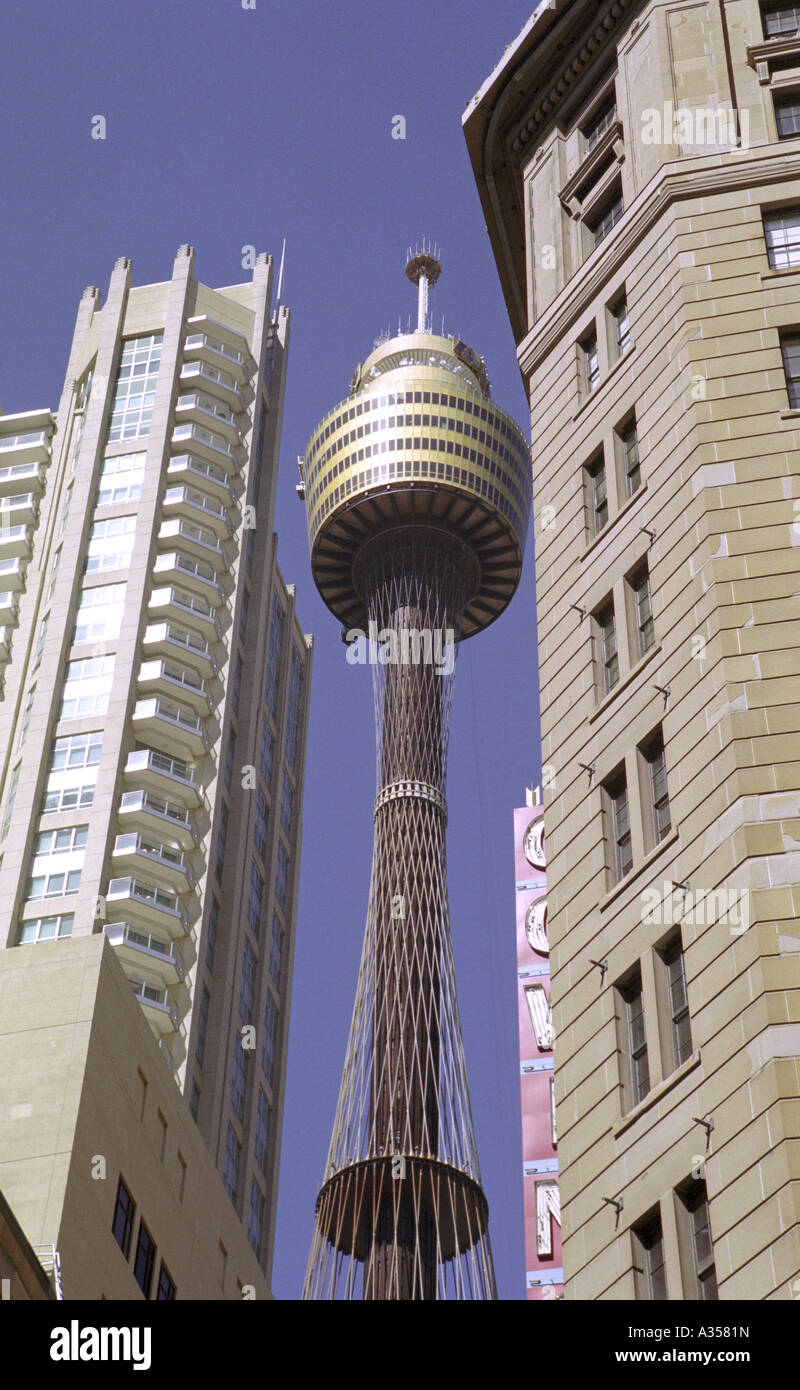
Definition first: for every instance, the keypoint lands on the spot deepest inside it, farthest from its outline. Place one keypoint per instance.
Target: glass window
(222, 839)
(45, 928)
(598, 123)
(287, 805)
(620, 818)
(134, 392)
(293, 710)
(659, 798)
(76, 750)
(230, 1171)
(695, 1201)
(787, 117)
(637, 1041)
(261, 1141)
(255, 1224)
(598, 495)
(211, 932)
(99, 615)
(230, 754)
(122, 1221)
(607, 638)
(591, 363)
(144, 1260)
(790, 350)
(652, 1279)
(675, 968)
(608, 218)
(86, 687)
(239, 1077)
(165, 1291)
(267, 756)
(268, 1049)
(59, 885)
(255, 896)
(121, 479)
(276, 951)
(640, 585)
(782, 237)
(629, 445)
(622, 327)
(780, 19)
(282, 877)
(277, 624)
(260, 825)
(247, 984)
(110, 544)
(202, 1025)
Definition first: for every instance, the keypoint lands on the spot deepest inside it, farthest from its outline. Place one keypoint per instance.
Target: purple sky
(228, 127)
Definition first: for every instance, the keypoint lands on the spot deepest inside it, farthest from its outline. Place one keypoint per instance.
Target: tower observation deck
(417, 491)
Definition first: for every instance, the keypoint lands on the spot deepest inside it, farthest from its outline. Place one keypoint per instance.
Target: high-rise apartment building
(639, 170)
(154, 721)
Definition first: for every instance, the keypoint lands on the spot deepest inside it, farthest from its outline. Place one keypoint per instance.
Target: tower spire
(423, 269)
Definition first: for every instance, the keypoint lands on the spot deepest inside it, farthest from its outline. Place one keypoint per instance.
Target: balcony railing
(122, 933)
(155, 998)
(143, 760)
(30, 438)
(199, 435)
(180, 637)
(149, 894)
(164, 855)
(203, 471)
(178, 818)
(199, 400)
(197, 570)
(205, 340)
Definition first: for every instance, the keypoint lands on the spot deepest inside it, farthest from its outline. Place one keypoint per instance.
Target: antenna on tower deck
(423, 269)
(280, 272)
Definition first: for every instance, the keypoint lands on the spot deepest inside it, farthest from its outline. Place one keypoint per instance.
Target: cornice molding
(670, 185)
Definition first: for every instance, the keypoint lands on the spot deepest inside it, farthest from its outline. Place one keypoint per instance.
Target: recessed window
(790, 351)
(122, 1224)
(675, 1000)
(597, 495)
(648, 1260)
(634, 1037)
(628, 445)
(694, 1234)
(590, 362)
(621, 327)
(642, 610)
(144, 1260)
(165, 1289)
(787, 117)
(656, 765)
(255, 1223)
(780, 19)
(607, 656)
(782, 237)
(601, 223)
(230, 1171)
(202, 1026)
(618, 812)
(46, 928)
(598, 123)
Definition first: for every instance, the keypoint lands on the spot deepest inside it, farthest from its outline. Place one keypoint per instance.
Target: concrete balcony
(12, 574)
(218, 348)
(180, 644)
(158, 815)
(9, 608)
(170, 727)
(160, 1010)
(209, 444)
(184, 606)
(14, 541)
(6, 638)
(195, 505)
(175, 683)
(148, 770)
(213, 480)
(209, 412)
(19, 477)
(145, 904)
(136, 852)
(198, 541)
(32, 446)
(147, 951)
(188, 573)
(19, 509)
(218, 380)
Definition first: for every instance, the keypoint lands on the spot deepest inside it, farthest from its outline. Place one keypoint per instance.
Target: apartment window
(165, 1289)
(267, 755)
(10, 799)
(236, 684)
(239, 1077)
(601, 223)
(25, 720)
(287, 805)
(787, 117)
(61, 885)
(255, 897)
(60, 841)
(222, 840)
(76, 750)
(270, 1037)
(673, 980)
(276, 951)
(782, 237)
(261, 1140)
(249, 549)
(780, 19)
(694, 1234)
(277, 624)
(37, 656)
(590, 362)
(202, 1026)
(247, 984)
(621, 326)
(597, 495)
(282, 877)
(194, 1101)
(790, 350)
(134, 392)
(255, 1223)
(294, 705)
(99, 615)
(87, 687)
(243, 612)
(230, 754)
(122, 1223)
(46, 928)
(258, 455)
(642, 610)
(260, 825)
(163, 1125)
(616, 799)
(629, 452)
(606, 634)
(211, 932)
(110, 544)
(230, 1171)
(121, 479)
(144, 1260)
(648, 1260)
(634, 1038)
(598, 123)
(656, 764)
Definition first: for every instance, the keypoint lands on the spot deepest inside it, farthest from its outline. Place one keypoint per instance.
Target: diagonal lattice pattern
(401, 1213)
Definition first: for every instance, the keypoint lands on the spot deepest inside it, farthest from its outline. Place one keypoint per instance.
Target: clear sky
(228, 127)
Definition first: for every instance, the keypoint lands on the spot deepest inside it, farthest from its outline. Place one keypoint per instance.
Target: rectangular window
(49, 842)
(255, 898)
(61, 885)
(628, 444)
(255, 1224)
(121, 479)
(110, 544)
(787, 117)
(616, 807)
(99, 615)
(267, 756)
(165, 1290)
(590, 362)
(211, 932)
(76, 750)
(648, 1260)
(780, 19)
(230, 754)
(239, 1077)
(656, 765)
(277, 624)
(287, 805)
(45, 928)
(790, 351)
(634, 1037)
(293, 708)
(144, 1260)
(194, 1100)
(260, 825)
(268, 1049)
(782, 237)
(122, 1222)
(135, 388)
(8, 812)
(87, 686)
(606, 636)
(222, 840)
(230, 1171)
(674, 999)
(601, 223)
(694, 1234)
(597, 495)
(621, 326)
(642, 610)
(261, 1141)
(247, 984)
(598, 123)
(276, 951)
(202, 1026)
(282, 877)
(236, 683)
